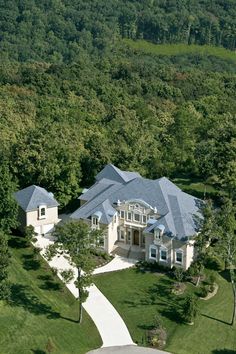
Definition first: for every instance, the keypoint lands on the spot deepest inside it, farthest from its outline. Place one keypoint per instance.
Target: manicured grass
(178, 49)
(41, 307)
(197, 188)
(139, 296)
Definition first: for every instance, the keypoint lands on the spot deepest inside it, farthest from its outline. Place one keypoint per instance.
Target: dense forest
(74, 96)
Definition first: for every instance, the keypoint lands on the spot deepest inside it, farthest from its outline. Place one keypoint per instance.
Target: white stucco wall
(189, 253)
(112, 234)
(51, 217)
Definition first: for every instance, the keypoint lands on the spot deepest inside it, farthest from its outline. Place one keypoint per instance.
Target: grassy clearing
(180, 49)
(197, 188)
(41, 307)
(139, 296)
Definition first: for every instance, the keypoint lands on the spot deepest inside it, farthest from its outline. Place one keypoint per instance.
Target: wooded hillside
(74, 96)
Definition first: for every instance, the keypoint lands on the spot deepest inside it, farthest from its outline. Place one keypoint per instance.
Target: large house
(38, 208)
(155, 216)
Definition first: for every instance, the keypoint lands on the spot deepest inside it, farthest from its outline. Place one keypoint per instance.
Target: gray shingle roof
(31, 197)
(113, 173)
(177, 209)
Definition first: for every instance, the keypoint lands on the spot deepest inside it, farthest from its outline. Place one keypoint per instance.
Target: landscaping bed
(139, 296)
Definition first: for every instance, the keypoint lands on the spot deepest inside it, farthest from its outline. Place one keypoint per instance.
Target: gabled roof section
(113, 173)
(30, 198)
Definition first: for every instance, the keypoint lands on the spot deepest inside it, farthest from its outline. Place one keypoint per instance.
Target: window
(152, 252)
(122, 214)
(94, 221)
(144, 219)
(128, 235)
(137, 217)
(42, 212)
(122, 235)
(179, 256)
(129, 215)
(163, 255)
(115, 219)
(157, 234)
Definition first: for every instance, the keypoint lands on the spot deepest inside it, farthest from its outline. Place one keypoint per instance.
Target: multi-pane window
(163, 255)
(122, 214)
(136, 217)
(144, 219)
(94, 220)
(178, 256)
(129, 215)
(153, 253)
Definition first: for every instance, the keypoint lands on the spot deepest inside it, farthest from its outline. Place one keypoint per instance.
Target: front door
(136, 237)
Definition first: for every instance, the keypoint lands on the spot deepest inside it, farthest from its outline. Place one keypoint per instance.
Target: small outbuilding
(38, 208)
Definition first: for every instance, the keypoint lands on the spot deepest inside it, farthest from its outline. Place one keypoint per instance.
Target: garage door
(37, 230)
(47, 228)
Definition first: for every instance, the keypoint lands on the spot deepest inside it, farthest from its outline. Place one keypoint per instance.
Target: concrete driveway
(109, 323)
(128, 349)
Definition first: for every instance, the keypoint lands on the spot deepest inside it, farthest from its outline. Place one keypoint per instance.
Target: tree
(77, 241)
(190, 308)
(30, 234)
(8, 206)
(4, 263)
(226, 229)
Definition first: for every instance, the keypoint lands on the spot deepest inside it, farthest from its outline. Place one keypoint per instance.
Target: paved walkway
(110, 325)
(117, 263)
(128, 349)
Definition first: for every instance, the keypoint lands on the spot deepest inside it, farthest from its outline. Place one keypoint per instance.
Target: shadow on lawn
(17, 242)
(223, 351)
(22, 297)
(216, 319)
(159, 294)
(38, 351)
(49, 283)
(30, 263)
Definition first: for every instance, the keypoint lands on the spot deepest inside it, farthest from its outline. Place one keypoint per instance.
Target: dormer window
(95, 220)
(157, 235)
(42, 212)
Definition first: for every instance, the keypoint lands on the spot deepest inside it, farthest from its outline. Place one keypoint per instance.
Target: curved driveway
(110, 325)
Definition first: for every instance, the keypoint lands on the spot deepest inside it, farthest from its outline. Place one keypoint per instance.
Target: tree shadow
(30, 263)
(225, 275)
(49, 283)
(216, 319)
(22, 297)
(223, 351)
(17, 242)
(38, 351)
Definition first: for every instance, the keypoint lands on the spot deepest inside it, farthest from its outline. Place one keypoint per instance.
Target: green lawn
(197, 188)
(179, 49)
(138, 296)
(41, 308)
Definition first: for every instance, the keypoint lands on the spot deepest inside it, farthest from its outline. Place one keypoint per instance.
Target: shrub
(213, 262)
(204, 290)
(190, 308)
